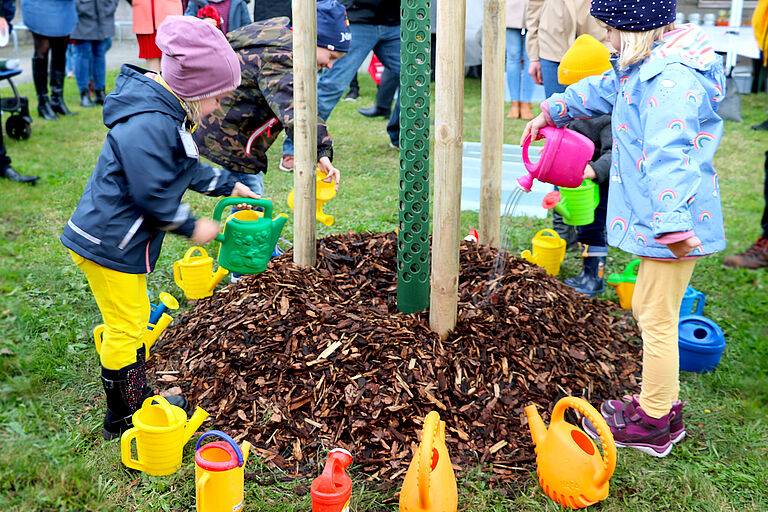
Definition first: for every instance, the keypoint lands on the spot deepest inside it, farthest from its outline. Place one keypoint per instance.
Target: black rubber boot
(40, 76)
(126, 390)
(590, 281)
(99, 96)
(57, 94)
(11, 174)
(85, 100)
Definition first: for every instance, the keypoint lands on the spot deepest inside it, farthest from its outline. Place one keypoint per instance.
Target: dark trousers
(5, 160)
(594, 234)
(764, 222)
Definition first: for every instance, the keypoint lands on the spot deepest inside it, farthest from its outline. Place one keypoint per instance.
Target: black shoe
(40, 77)
(761, 126)
(590, 281)
(57, 94)
(126, 390)
(99, 96)
(85, 100)
(11, 174)
(353, 94)
(374, 111)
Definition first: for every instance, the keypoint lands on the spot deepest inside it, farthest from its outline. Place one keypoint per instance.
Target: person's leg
(384, 96)
(388, 50)
(83, 64)
(58, 63)
(393, 126)
(99, 69)
(354, 90)
(40, 76)
(592, 236)
(253, 181)
(549, 77)
(513, 70)
(757, 255)
(8, 172)
(527, 86)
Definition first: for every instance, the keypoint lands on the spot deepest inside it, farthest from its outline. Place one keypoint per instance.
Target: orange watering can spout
(536, 424)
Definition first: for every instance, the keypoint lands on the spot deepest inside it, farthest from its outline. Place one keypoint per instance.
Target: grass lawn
(51, 401)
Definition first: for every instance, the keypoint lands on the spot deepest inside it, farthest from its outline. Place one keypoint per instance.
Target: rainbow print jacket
(665, 134)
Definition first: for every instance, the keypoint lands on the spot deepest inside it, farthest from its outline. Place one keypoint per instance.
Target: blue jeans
(255, 182)
(90, 62)
(384, 40)
(519, 81)
(549, 77)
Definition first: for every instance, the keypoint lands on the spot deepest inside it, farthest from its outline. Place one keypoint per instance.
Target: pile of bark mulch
(298, 360)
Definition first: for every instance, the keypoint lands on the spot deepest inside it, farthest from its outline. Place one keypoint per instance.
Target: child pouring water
(664, 202)
(134, 195)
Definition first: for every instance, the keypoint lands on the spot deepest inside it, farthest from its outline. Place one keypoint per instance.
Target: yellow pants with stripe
(124, 305)
(656, 307)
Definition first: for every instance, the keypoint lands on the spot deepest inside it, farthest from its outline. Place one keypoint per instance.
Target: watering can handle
(125, 449)
(428, 434)
(199, 498)
(631, 269)
(188, 254)
(700, 300)
(231, 201)
(548, 232)
(609, 446)
(527, 161)
(232, 443)
(162, 402)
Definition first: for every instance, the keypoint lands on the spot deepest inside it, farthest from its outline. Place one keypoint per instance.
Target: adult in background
(233, 13)
(519, 81)
(552, 27)
(51, 22)
(7, 11)
(95, 27)
(147, 16)
(375, 26)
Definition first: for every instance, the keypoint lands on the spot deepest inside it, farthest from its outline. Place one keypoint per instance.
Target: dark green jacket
(263, 102)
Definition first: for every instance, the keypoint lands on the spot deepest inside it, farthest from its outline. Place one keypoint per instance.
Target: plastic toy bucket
(219, 474)
(701, 343)
(624, 284)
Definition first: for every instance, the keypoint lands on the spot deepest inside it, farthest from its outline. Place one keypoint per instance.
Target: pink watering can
(565, 155)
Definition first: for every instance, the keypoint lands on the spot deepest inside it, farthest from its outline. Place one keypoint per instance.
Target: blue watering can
(693, 302)
(701, 343)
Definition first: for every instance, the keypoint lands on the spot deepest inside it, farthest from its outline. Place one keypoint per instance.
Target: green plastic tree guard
(413, 238)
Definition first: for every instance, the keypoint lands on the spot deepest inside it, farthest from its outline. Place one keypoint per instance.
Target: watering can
(564, 157)
(324, 192)
(195, 276)
(576, 205)
(624, 284)
(548, 251)
(220, 473)
(701, 343)
(570, 469)
(156, 311)
(430, 485)
(693, 302)
(332, 490)
(160, 430)
(249, 237)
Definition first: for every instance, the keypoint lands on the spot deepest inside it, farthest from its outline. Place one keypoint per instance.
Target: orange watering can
(624, 284)
(324, 192)
(160, 431)
(219, 473)
(548, 251)
(332, 490)
(571, 470)
(430, 485)
(195, 276)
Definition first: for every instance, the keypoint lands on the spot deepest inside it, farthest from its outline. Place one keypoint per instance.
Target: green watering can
(576, 205)
(248, 237)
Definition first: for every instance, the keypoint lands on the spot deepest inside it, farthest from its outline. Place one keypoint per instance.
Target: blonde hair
(637, 46)
(193, 110)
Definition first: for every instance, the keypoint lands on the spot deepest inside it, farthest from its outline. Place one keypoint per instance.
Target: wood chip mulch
(298, 361)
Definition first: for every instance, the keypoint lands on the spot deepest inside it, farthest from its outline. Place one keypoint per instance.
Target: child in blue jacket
(133, 196)
(664, 200)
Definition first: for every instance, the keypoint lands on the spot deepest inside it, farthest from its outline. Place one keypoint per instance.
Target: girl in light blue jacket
(664, 200)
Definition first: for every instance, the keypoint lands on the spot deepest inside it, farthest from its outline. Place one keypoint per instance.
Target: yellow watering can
(548, 251)
(430, 485)
(324, 192)
(624, 284)
(219, 473)
(160, 431)
(195, 276)
(571, 470)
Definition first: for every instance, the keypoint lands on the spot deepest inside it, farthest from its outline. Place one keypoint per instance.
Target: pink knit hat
(197, 61)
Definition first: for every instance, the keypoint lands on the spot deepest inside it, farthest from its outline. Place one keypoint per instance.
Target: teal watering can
(576, 205)
(249, 237)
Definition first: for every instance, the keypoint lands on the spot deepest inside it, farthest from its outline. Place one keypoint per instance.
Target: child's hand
(533, 127)
(683, 248)
(332, 173)
(205, 230)
(589, 173)
(240, 190)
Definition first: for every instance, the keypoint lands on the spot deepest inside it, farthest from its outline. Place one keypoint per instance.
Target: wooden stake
(492, 130)
(449, 127)
(304, 130)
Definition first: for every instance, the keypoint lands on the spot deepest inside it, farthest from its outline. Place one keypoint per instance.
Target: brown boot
(525, 111)
(754, 257)
(514, 110)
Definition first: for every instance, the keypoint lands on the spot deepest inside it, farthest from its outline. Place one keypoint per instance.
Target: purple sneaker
(633, 428)
(676, 425)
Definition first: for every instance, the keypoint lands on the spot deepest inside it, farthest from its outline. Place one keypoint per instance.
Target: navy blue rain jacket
(134, 193)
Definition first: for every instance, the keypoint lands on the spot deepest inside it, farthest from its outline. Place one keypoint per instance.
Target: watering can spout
(277, 227)
(194, 423)
(536, 425)
(217, 277)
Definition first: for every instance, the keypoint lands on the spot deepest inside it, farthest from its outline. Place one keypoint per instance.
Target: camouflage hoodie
(238, 135)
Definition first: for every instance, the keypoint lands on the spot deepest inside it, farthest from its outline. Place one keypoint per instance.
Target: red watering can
(565, 155)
